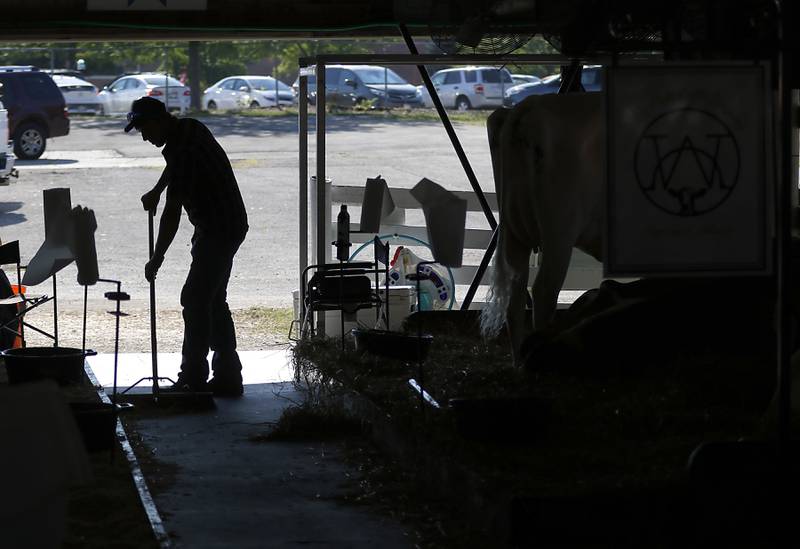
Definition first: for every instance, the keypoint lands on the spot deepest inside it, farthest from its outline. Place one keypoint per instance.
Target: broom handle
(153, 339)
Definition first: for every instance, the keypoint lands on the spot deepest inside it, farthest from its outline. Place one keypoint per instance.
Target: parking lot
(108, 170)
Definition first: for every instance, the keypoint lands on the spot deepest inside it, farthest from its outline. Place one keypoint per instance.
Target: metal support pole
(23, 305)
(117, 296)
(116, 344)
(302, 115)
(323, 207)
(153, 337)
(55, 312)
(783, 259)
(322, 230)
(275, 76)
(385, 87)
(451, 133)
(85, 299)
(571, 78)
(341, 308)
(386, 295)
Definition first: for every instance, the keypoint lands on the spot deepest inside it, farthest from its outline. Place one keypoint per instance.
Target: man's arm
(150, 198)
(167, 228)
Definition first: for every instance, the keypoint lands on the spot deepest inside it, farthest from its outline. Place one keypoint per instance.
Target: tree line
(213, 60)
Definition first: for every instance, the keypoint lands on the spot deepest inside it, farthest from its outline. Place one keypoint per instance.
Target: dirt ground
(257, 328)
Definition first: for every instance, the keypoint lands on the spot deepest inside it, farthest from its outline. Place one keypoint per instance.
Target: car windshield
(161, 81)
(378, 75)
(267, 84)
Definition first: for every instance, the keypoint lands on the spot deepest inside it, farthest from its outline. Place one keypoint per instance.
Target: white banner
(146, 5)
(690, 177)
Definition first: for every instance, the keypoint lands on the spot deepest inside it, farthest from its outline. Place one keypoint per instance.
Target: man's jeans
(206, 316)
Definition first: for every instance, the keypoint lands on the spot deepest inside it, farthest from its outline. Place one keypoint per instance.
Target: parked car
(80, 95)
(469, 87)
(591, 79)
(120, 94)
(237, 92)
(525, 79)
(36, 109)
(6, 148)
(350, 85)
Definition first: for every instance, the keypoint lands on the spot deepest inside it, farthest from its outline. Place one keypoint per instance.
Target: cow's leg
(554, 262)
(517, 256)
(494, 129)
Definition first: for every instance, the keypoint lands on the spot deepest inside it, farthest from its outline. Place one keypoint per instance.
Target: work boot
(225, 387)
(185, 385)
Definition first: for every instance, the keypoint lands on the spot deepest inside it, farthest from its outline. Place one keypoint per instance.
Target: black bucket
(62, 364)
(401, 346)
(97, 422)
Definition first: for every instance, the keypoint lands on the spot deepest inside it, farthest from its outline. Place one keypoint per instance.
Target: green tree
(103, 57)
(26, 53)
(288, 53)
(537, 45)
(218, 59)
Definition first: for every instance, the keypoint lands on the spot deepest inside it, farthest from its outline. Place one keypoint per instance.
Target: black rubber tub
(397, 345)
(97, 422)
(62, 364)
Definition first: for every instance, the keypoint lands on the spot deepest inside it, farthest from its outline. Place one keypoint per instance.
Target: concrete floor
(258, 367)
(232, 492)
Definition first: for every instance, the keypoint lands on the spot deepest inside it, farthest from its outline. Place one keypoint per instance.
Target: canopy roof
(577, 25)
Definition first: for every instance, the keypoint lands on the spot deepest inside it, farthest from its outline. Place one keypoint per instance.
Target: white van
(467, 88)
(6, 149)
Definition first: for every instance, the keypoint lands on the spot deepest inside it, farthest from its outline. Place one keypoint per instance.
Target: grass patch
(247, 163)
(269, 320)
(248, 113)
(415, 115)
(398, 115)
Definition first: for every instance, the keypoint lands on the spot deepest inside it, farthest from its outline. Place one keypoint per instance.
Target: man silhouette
(198, 178)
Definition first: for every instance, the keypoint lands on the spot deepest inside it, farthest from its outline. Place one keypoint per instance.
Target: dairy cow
(547, 158)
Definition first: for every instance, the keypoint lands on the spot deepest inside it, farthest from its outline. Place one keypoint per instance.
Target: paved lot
(108, 170)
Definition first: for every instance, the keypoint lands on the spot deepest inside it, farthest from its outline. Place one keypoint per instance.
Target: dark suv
(36, 109)
(349, 85)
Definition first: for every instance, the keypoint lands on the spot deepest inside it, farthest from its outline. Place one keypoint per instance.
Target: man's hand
(150, 200)
(151, 268)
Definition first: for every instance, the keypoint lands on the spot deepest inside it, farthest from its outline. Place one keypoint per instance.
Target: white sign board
(145, 5)
(689, 181)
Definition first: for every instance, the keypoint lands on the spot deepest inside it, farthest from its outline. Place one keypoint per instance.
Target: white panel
(350, 194)
(585, 272)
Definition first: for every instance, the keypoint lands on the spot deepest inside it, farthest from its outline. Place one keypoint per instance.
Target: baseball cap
(144, 109)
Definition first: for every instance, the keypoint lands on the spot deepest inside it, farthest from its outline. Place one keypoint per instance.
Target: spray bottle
(343, 234)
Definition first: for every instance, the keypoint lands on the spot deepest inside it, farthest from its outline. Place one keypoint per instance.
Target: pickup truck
(6, 149)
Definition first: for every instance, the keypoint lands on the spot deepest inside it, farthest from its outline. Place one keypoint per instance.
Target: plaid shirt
(201, 179)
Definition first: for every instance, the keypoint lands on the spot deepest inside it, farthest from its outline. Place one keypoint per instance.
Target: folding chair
(344, 287)
(9, 255)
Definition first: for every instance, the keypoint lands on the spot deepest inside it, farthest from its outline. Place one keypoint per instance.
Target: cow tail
(493, 315)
